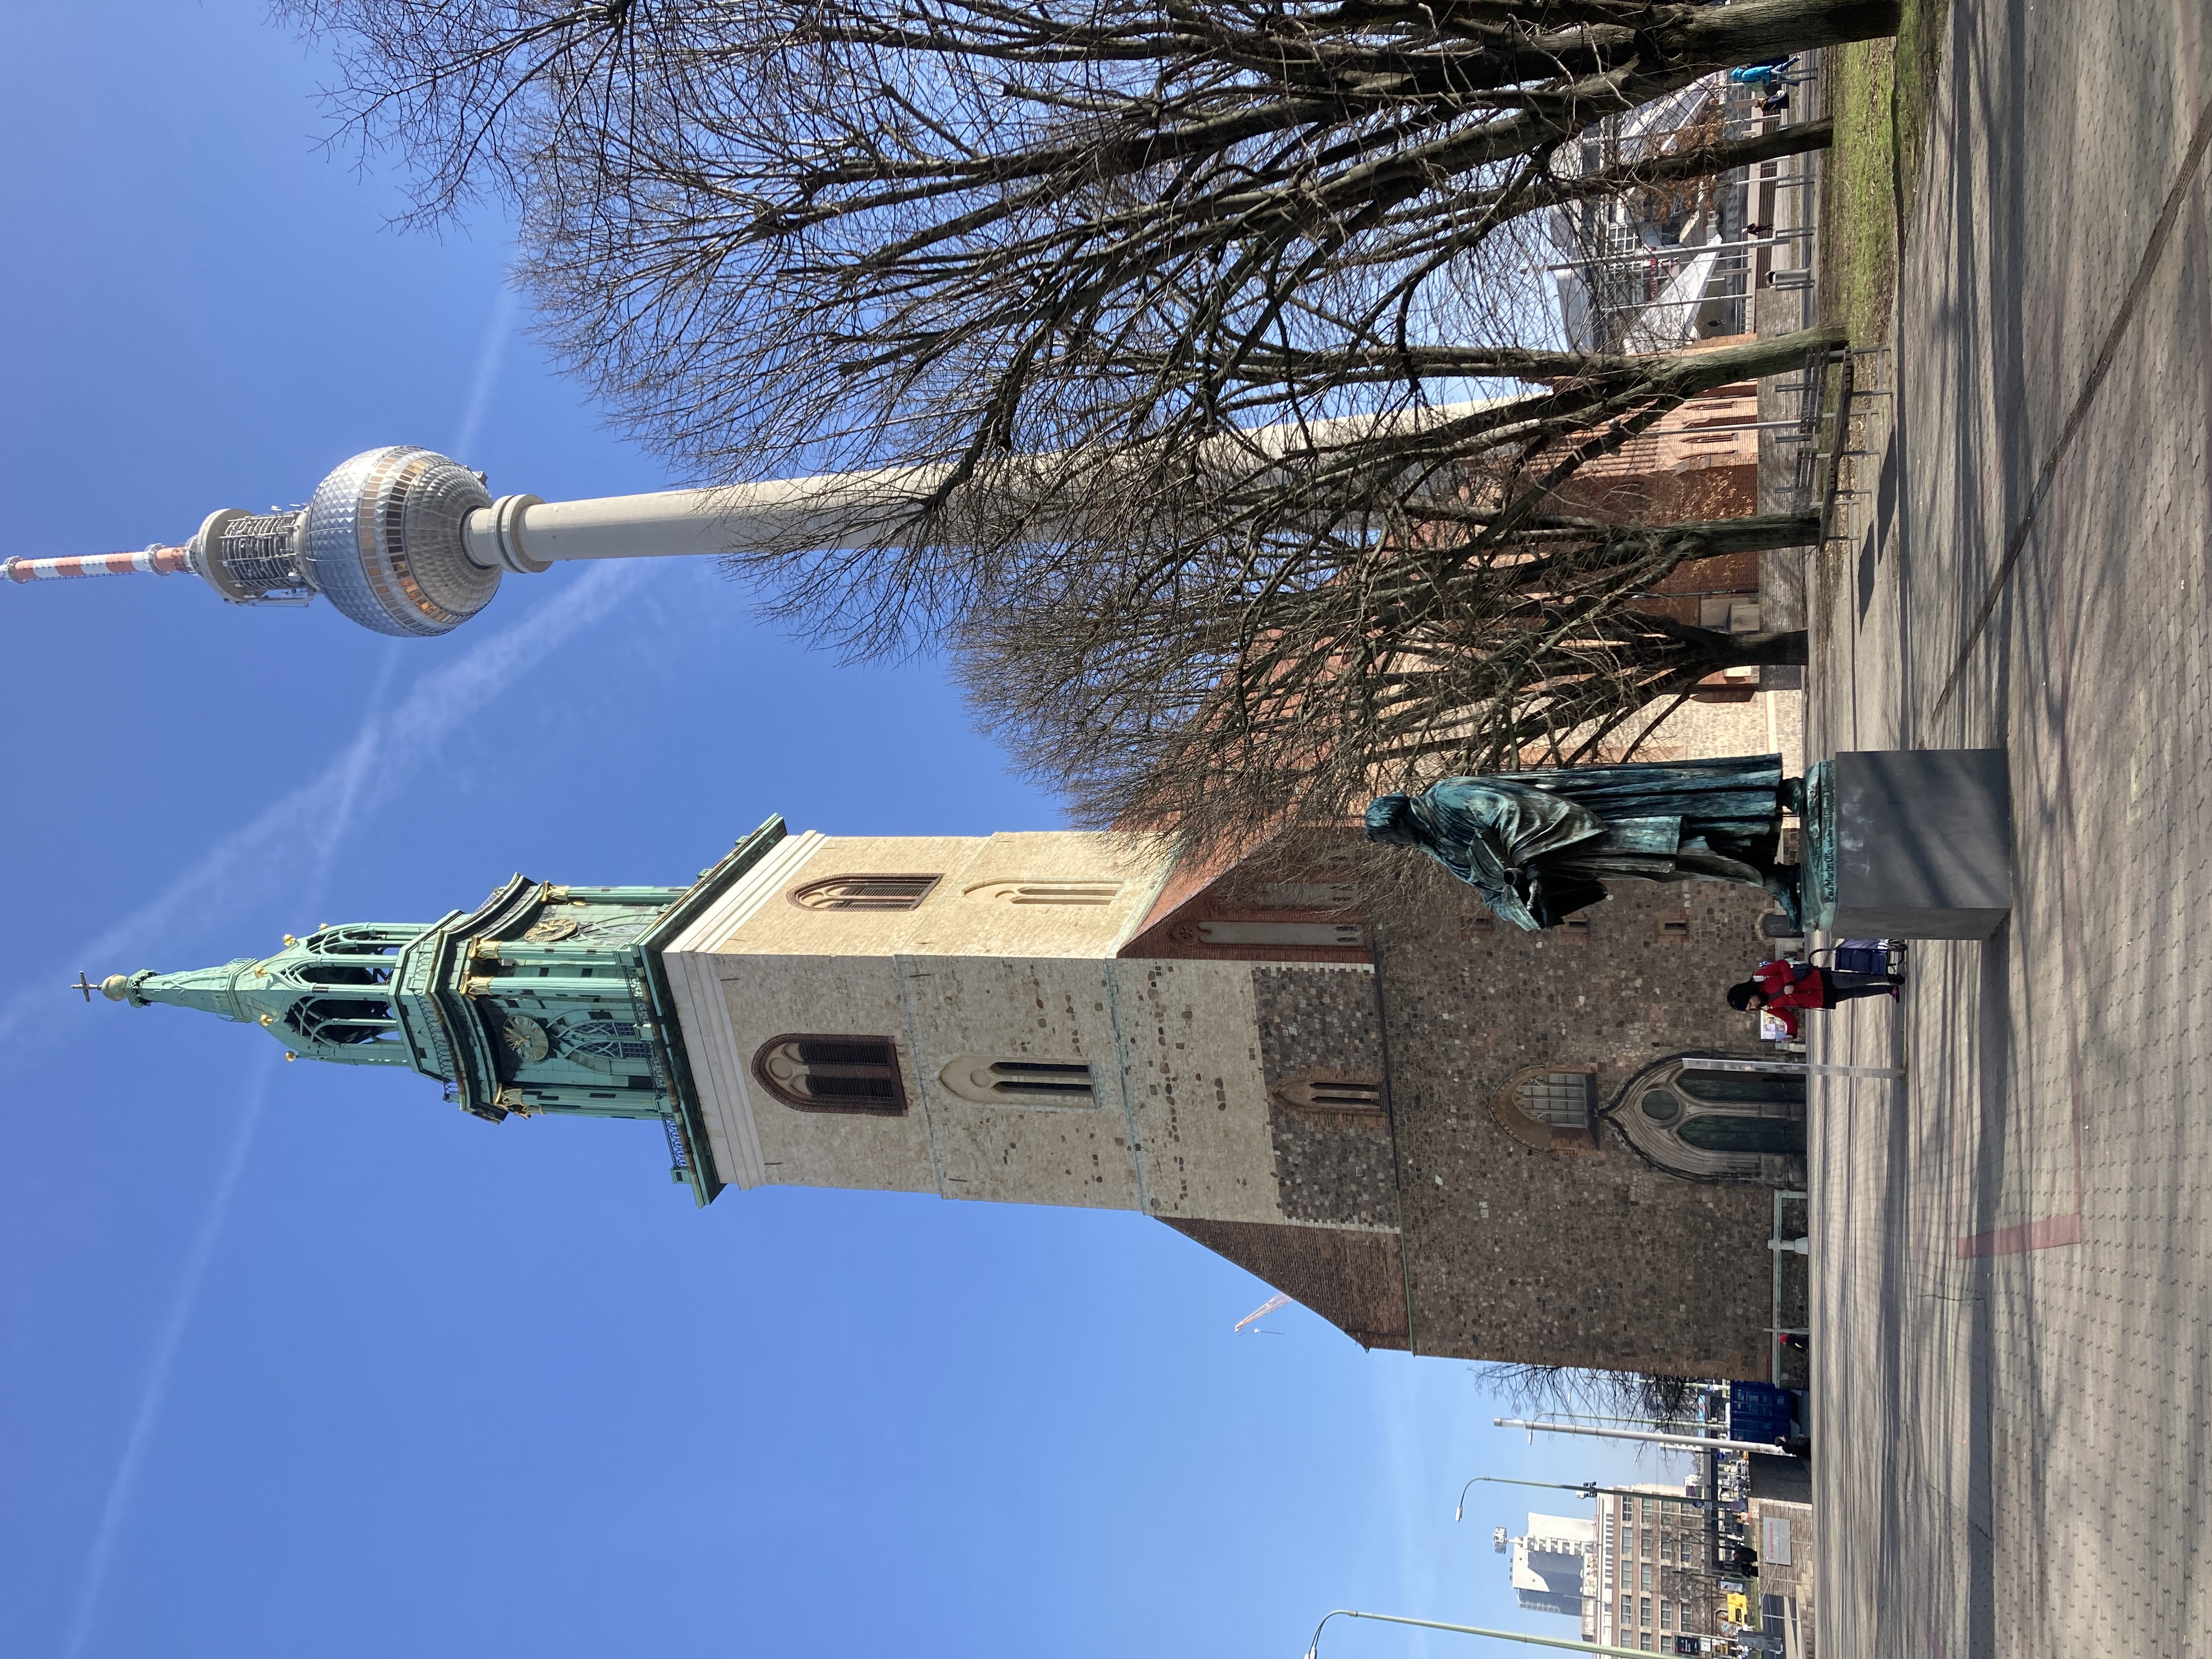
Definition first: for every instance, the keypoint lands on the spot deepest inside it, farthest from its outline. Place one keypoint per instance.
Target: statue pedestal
(1911, 843)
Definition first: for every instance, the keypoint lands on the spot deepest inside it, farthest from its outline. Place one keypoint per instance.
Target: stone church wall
(1333, 1168)
(1566, 1256)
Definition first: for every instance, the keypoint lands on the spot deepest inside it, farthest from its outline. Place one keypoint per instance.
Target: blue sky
(296, 1360)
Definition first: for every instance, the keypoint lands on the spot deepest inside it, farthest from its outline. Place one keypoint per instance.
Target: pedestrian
(1785, 989)
(1761, 74)
(1775, 104)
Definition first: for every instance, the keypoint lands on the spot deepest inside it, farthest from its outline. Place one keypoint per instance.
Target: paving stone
(2012, 1247)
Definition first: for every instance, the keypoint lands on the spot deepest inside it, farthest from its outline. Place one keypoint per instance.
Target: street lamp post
(1680, 1442)
(1313, 1651)
(1677, 1421)
(1588, 1489)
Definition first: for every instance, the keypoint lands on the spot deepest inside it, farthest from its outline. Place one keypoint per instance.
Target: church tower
(1054, 1018)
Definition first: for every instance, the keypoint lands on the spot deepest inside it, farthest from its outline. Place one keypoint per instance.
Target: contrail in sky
(349, 774)
(388, 751)
(392, 746)
(488, 361)
(393, 742)
(124, 1486)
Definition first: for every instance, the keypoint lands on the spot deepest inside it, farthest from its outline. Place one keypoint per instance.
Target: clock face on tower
(526, 1039)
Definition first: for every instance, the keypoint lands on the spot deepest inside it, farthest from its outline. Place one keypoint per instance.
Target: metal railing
(1776, 1328)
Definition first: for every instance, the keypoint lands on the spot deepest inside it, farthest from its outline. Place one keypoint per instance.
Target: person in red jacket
(1787, 989)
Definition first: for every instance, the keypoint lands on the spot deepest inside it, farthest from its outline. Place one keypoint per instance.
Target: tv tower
(405, 541)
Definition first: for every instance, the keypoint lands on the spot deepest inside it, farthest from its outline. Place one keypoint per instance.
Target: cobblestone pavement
(2013, 1248)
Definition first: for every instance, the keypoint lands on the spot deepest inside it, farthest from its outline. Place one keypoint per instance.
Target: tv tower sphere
(382, 539)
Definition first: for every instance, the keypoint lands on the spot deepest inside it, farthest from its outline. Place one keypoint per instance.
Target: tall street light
(1588, 1489)
(1313, 1650)
(1681, 1442)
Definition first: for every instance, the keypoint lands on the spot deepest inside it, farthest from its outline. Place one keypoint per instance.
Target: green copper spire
(543, 999)
(327, 997)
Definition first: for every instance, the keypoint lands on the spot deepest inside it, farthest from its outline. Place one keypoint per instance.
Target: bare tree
(1341, 617)
(864, 232)
(1170, 313)
(1535, 1389)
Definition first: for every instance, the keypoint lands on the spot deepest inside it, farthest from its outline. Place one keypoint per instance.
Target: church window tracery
(833, 1073)
(986, 1082)
(1550, 1107)
(1076, 893)
(343, 1020)
(615, 1039)
(1714, 1125)
(864, 892)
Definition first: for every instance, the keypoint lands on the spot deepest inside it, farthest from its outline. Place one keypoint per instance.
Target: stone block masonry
(1322, 1030)
(1578, 1256)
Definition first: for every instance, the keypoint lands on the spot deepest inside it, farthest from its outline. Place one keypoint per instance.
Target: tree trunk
(1757, 31)
(1781, 647)
(1762, 533)
(1686, 374)
(1705, 161)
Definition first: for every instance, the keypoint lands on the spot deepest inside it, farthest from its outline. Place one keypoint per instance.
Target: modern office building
(1549, 1563)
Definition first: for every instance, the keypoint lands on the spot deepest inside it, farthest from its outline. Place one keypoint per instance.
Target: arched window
(1717, 1134)
(833, 1074)
(1714, 1125)
(864, 892)
(615, 1039)
(1335, 1097)
(1550, 1109)
(987, 1082)
(343, 1020)
(1047, 892)
(1562, 1099)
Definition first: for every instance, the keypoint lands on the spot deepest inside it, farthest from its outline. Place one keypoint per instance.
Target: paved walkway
(2012, 1318)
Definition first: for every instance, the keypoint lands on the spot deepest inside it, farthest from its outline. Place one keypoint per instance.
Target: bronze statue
(1538, 845)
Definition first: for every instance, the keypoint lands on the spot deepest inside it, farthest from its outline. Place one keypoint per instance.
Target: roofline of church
(712, 882)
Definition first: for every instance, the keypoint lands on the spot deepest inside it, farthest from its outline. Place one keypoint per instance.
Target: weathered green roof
(543, 999)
